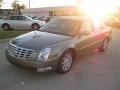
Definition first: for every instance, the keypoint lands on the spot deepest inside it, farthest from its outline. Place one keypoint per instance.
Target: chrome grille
(19, 52)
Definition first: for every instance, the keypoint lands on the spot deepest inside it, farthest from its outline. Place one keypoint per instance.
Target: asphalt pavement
(97, 71)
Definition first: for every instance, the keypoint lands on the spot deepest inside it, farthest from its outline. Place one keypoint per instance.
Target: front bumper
(39, 66)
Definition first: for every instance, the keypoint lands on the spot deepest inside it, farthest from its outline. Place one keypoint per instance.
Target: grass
(10, 34)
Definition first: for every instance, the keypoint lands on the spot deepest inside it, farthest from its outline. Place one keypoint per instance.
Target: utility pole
(15, 6)
(29, 6)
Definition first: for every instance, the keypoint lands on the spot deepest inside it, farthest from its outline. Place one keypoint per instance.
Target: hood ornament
(35, 35)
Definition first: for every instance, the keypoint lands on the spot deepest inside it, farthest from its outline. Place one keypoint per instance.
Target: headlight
(43, 55)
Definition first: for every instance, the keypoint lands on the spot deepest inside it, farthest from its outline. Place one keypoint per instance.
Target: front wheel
(35, 26)
(6, 27)
(104, 46)
(65, 62)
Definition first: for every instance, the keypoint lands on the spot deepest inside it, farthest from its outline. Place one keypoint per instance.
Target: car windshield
(62, 26)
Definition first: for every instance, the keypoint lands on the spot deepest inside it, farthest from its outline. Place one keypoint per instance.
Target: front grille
(19, 52)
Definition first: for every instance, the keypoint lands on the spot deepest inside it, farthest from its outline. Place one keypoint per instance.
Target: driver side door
(85, 40)
(24, 22)
(13, 22)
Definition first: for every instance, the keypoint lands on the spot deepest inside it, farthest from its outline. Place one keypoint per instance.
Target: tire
(65, 62)
(35, 26)
(104, 45)
(6, 27)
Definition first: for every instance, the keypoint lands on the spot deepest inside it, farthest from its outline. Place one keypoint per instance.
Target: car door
(99, 34)
(85, 40)
(13, 22)
(25, 22)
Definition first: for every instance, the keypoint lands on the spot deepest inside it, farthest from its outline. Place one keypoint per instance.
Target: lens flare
(97, 9)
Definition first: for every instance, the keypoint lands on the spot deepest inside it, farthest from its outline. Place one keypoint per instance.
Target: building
(51, 11)
(5, 12)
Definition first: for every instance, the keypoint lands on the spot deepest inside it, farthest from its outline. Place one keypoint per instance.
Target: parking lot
(97, 71)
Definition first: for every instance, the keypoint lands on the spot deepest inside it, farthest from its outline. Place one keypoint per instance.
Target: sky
(49, 3)
(40, 3)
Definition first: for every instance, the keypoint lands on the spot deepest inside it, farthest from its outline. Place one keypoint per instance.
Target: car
(47, 18)
(55, 45)
(112, 21)
(1, 17)
(20, 22)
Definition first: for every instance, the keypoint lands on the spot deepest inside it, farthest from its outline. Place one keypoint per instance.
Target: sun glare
(97, 9)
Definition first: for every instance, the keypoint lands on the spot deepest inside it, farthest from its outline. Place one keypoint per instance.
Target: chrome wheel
(104, 46)
(6, 27)
(67, 61)
(35, 26)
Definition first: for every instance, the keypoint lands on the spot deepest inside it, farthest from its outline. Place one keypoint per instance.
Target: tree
(20, 7)
(17, 7)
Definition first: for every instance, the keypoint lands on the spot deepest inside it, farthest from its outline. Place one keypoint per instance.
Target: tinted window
(62, 26)
(14, 18)
(87, 26)
(22, 18)
(99, 26)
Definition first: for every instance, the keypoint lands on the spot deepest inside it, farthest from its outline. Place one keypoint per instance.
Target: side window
(6, 18)
(99, 27)
(14, 18)
(87, 27)
(22, 18)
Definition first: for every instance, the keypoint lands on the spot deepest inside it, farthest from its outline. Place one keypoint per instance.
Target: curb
(4, 40)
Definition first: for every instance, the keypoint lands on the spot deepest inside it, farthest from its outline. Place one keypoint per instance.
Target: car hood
(39, 21)
(38, 40)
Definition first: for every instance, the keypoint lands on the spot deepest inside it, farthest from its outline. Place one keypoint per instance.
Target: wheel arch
(70, 48)
(59, 65)
(34, 24)
(5, 24)
(108, 37)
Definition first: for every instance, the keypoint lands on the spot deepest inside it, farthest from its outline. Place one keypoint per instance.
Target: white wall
(36, 14)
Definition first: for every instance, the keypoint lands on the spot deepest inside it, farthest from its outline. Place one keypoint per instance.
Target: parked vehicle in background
(43, 18)
(20, 22)
(1, 17)
(36, 17)
(47, 18)
(112, 21)
(55, 45)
